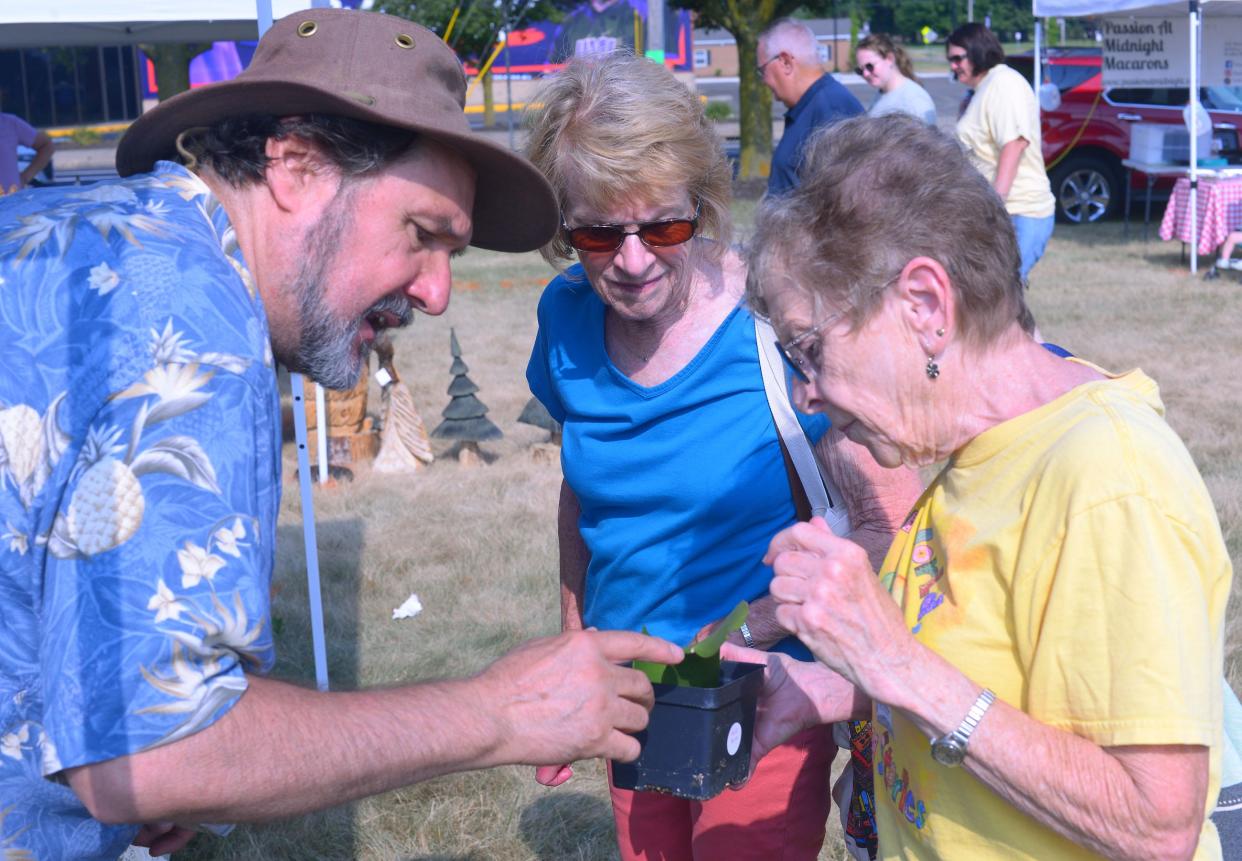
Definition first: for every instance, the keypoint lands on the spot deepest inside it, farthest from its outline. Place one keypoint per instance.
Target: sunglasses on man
(598, 238)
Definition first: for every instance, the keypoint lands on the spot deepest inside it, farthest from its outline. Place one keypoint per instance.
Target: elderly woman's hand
(829, 597)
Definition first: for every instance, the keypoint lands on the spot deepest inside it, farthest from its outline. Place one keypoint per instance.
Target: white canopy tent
(1196, 10)
(128, 22)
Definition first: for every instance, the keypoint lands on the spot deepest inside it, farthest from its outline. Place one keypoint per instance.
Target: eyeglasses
(598, 238)
(864, 69)
(805, 363)
(762, 67)
(956, 59)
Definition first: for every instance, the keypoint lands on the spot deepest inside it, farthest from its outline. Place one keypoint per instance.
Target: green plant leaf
(710, 645)
(701, 666)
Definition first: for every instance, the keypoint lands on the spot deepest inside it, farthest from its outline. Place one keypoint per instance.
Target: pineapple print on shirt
(139, 485)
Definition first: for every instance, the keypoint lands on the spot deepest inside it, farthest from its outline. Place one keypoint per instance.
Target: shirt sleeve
(1125, 650)
(1010, 112)
(539, 369)
(26, 133)
(157, 588)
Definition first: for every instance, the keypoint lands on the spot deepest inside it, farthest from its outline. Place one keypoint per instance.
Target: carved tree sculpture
(465, 417)
(536, 414)
(404, 445)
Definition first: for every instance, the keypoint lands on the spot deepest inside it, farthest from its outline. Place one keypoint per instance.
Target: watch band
(950, 749)
(746, 637)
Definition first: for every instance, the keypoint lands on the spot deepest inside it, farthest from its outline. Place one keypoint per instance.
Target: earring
(940, 333)
(932, 369)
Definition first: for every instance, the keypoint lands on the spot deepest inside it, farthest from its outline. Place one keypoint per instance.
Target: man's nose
(430, 290)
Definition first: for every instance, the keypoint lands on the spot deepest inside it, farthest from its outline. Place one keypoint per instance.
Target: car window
(1068, 77)
(1223, 98)
(1160, 97)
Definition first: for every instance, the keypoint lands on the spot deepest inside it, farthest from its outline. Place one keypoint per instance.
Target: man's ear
(297, 173)
(927, 302)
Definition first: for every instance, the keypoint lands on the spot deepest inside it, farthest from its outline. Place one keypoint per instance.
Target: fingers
(172, 841)
(634, 686)
(622, 646)
(812, 537)
(622, 747)
(553, 775)
(741, 654)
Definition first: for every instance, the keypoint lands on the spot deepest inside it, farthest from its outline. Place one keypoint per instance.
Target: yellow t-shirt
(1069, 559)
(1003, 109)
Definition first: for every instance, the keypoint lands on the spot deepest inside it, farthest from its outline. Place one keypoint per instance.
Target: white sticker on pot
(735, 738)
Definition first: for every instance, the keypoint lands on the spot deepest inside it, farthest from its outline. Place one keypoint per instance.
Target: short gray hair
(876, 193)
(794, 38)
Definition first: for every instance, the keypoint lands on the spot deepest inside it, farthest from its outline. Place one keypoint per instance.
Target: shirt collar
(192, 188)
(807, 97)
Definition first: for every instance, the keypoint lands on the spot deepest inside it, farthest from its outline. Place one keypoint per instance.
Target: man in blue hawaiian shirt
(140, 322)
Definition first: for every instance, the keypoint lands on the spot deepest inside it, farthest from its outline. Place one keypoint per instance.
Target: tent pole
(263, 9)
(1194, 136)
(1039, 80)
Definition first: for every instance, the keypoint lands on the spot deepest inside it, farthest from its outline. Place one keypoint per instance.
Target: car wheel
(1086, 189)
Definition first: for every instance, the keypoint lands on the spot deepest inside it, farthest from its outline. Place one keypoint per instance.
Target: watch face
(948, 751)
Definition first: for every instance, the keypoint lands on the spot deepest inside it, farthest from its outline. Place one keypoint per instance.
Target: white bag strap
(825, 498)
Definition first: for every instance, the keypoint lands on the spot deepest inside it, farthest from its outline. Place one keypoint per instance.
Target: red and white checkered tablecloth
(1220, 212)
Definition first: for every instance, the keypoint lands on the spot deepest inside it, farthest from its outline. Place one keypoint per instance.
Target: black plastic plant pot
(698, 739)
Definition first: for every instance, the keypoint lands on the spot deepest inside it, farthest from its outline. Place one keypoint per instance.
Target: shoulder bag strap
(825, 499)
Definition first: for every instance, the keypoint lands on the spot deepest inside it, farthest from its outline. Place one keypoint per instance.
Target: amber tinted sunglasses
(654, 234)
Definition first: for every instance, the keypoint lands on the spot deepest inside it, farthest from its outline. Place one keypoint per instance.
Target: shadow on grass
(567, 825)
(340, 544)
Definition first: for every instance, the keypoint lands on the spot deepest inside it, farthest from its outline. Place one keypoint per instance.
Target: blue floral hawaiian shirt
(139, 487)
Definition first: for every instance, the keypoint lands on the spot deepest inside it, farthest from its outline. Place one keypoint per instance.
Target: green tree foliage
(907, 18)
(477, 29)
(745, 20)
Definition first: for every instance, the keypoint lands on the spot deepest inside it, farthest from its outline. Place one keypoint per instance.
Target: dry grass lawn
(478, 545)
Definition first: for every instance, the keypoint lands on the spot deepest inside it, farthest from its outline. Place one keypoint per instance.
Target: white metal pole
(298, 386)
(263, 10)
(1039, 78)
(1194, 136)
(321, 433)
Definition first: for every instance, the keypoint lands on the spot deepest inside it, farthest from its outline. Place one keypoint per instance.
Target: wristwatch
(950, 749)
(746, 637)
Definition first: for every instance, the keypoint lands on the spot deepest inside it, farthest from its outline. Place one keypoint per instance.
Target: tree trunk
(755, 103)
(489, 101)
(172, 65)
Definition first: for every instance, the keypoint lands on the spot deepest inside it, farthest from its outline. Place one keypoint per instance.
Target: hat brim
(514, 207)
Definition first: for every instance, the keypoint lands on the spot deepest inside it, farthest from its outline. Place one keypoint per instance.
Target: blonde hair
(619, 127)
(884, 45)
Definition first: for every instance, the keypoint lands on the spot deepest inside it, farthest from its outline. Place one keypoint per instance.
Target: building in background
(715, 52)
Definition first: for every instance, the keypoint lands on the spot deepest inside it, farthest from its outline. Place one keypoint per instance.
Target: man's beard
(326, 347)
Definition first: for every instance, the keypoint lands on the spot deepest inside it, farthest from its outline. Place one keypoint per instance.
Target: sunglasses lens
(667, 233)
(596, 238)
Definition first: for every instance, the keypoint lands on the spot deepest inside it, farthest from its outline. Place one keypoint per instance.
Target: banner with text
(1146, 52)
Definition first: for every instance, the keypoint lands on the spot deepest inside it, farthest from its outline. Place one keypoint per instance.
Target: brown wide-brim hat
(372, 67)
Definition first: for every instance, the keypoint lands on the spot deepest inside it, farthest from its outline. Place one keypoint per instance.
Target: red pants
(779, 815)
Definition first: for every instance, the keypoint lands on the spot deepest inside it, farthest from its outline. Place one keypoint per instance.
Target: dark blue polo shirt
(824, 102)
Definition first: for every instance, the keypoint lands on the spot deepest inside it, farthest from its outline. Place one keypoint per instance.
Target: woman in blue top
(674, 477)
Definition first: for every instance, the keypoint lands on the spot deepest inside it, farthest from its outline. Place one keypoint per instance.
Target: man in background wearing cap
(140, 449)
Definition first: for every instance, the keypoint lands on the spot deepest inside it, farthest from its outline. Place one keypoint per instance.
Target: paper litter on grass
(408, 610)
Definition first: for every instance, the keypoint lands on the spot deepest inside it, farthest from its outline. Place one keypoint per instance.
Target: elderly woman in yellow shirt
(1041, 651)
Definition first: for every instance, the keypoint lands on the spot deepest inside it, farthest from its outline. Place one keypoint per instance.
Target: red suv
(1087, 136)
